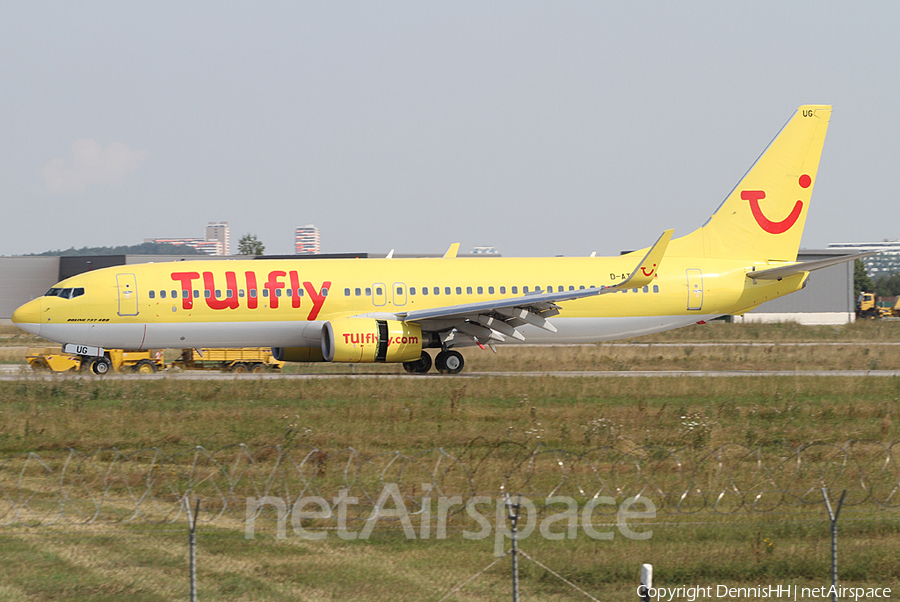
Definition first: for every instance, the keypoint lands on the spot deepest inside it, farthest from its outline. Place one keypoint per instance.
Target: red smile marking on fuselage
(765, 223)
(646, 273)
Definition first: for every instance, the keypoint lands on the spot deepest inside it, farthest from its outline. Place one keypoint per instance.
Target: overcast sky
(541, 128)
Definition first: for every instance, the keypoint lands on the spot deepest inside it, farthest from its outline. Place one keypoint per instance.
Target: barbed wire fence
(149, 485)
(696, 484)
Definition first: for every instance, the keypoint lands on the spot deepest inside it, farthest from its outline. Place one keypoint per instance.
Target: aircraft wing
(807, 266)
(485, 321)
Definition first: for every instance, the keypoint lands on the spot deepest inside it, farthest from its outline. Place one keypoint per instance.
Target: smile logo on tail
(650, 273)
(765, 223)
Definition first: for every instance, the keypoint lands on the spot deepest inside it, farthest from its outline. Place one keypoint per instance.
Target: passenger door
(128, 299)
(695, 289)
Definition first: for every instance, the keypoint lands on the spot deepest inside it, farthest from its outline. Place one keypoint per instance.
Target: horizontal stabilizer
(807, 266)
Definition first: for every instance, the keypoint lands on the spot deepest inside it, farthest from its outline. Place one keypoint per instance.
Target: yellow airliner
(392, 310)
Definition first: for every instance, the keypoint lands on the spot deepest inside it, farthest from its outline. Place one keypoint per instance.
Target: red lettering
(295, 285)
(187, 299)
(252, 301)
(231, 284)
(347, 338)
(273, 285)
(316, 297)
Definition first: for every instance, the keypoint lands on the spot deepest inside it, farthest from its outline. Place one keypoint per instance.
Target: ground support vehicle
(246, 359)
(118, 360)
(872, 307)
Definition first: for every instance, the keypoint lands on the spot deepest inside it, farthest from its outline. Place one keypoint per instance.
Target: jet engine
(369, 340)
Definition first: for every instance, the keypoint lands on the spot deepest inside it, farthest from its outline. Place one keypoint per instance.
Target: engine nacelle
(369, 340)
(298, 354)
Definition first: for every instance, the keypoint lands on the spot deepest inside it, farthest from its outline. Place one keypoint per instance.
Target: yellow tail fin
(763, 217)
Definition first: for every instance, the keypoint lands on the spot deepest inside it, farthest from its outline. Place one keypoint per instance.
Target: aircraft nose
(28, 317)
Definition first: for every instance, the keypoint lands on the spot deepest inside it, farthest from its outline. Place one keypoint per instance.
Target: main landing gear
(449, 362)
(446, 362)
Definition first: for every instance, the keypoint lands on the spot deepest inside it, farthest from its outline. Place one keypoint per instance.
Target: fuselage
(282, 303)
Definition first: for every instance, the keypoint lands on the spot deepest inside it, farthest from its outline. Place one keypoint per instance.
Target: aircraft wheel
(449, 362)
(419, 366)
(239, 368)
(145, 367)
(100, 366)
(259, 369)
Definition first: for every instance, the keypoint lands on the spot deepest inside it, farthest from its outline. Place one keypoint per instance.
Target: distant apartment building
(219, 231)
(217, 241)
(883, 264)
(306, 240)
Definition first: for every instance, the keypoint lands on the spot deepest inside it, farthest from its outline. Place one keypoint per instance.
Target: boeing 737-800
(393, 310)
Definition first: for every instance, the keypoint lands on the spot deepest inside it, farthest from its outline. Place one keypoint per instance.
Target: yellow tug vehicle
(146, 361)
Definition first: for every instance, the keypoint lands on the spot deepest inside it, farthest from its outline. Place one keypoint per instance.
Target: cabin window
(458, 290)
(424, 290)
(480, 290)
(468, 290)
(241, 293)
(152, 294)
(412, 290)
(346, 292)
(162, 294)
(502, 290)
(196, 294)
(581, 288)
(265, 292)
(446, 290)
(218, 294)
(207, 293)
(490, 290)
(655, 288)
(399, 290)
(289, 292)
(634, 290)
(357, 292)
(324, 292)
(646, 289)
(571, 288)
(368, 292)
(277, 292)
(378, 290)
(515, 290)
(229, 293)
(525, 290)
(253, 293)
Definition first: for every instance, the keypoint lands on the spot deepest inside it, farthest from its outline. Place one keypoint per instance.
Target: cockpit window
(65, 293)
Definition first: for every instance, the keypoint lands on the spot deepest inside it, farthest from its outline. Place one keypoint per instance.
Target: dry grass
(150, 563)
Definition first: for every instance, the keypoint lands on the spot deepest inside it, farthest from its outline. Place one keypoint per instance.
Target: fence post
(833, 515)
(514, 520)
(646, 581)
(192, 542)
